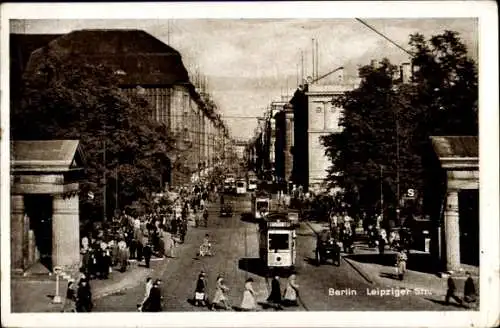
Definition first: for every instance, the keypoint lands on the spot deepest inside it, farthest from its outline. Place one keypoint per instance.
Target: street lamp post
(382, 191)
(397, 167)
(396, 114)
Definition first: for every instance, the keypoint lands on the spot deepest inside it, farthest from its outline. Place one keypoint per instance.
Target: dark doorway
(39, 210)
(468, 201)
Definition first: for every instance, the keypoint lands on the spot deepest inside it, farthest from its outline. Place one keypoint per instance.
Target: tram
(277, 245)
(241, 187)
(261, 205)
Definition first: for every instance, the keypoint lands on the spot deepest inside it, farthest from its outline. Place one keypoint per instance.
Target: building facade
(323, 119)
(147, 67)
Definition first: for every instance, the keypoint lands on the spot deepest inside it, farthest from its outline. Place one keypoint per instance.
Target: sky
(248, 63)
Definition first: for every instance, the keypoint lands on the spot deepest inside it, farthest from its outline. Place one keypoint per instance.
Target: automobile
(226, 210)
(327, 248)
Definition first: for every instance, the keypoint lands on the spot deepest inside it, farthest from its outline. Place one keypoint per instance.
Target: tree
(70, 98)
(387, 124)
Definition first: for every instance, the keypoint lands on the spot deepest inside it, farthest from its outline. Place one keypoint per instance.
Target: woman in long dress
(200, 291)
(220, 295)
(154, 301)
(249, 303)
(275, 295)
(291, 292)
(167, 242)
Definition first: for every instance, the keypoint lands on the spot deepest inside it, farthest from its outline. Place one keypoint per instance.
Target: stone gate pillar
(17, 236)
(65, 231)
(452, 231)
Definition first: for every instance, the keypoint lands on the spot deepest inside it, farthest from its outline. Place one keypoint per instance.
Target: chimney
(406, 72)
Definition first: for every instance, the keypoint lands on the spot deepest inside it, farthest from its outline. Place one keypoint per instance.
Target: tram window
(240, 184)
(278, 241)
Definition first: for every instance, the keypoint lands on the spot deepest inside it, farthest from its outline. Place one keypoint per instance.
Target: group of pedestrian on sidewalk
(220, 300)
(153, 299)
(129, 237)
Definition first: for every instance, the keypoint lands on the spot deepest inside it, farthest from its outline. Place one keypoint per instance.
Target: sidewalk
(420, 277)
(35, 293)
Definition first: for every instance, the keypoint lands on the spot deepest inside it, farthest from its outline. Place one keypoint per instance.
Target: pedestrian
(166, 238)
(149, 285)
(249, 303)
(469, 289)
(86, 258)
(205, 217)
(220, 297)
(205, 247)
(200, 293)
(113, 245)
(173, 226)
(275, 295)
(147, 252)
(382, 240)
(70, 302)
(291, 292)
(183, 230)
(154, 301)
(450, 293)
(401, 259)
(84, 296)
(174, 242)
(123, 255)
(103, 261)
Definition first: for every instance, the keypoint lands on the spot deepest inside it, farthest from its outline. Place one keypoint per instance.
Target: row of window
(333, 109)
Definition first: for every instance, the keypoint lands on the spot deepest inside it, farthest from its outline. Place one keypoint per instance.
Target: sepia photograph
(229, 164)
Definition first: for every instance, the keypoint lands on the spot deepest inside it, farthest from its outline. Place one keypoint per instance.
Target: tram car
(277, 245)
(241, 187)
(252, 182)
(261, 205)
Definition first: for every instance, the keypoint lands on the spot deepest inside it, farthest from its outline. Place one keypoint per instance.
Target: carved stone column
(66, 231)
(452, 231)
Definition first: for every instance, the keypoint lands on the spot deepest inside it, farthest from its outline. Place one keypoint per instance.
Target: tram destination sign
(279, 224)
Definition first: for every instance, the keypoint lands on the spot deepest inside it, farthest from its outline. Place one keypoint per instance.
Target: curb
(358, 270)
(310, 227)
(160, 271)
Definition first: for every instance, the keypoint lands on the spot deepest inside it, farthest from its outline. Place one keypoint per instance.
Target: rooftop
(456, 146)
(45, 155)
(142, 58)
